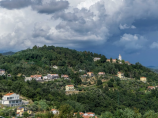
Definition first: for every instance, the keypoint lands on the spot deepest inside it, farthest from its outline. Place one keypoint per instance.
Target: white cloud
(131, 42)
(154, 45)
(93, 23)
(125, 26)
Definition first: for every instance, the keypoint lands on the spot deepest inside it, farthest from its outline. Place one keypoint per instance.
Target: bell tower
(120, 57)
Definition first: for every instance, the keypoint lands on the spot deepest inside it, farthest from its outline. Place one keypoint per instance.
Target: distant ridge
(8, 53)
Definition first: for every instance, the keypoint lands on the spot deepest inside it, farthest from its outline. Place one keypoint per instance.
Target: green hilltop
(107, 94)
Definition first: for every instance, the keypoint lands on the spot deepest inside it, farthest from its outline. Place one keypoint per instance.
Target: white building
(53, 76)
(54, 111)
(96, 59)
(120, 58)
(11, 99)
(55, 67)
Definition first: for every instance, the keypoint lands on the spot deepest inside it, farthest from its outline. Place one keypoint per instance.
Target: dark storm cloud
(51, 7)
(15, 4)
(37, 5)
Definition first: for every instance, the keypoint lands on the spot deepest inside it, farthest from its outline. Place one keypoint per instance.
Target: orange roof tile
(8, 94)
(53, 109)
(36, 75)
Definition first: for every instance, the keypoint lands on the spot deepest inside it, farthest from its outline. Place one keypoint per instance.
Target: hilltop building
(143, 79)
(96, 59)
(120, 58)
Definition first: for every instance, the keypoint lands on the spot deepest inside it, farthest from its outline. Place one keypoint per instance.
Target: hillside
(99, 94)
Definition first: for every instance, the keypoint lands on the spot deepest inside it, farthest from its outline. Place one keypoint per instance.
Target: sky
(108, 27)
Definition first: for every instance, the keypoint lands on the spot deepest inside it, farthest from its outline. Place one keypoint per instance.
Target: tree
(110, 84)
(25, 114)
(111, 60)
(34, 47)
(99, 82)
(106, 115)
(65, 111)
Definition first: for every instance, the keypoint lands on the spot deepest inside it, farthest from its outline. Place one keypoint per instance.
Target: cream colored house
(101, 73)
(120, 75)
(143, 79)
(113, 60)
(69, 87)
(90, 74)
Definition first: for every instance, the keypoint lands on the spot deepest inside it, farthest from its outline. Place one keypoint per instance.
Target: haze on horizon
(109, 27)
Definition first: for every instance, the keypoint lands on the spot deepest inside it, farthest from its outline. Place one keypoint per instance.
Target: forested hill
(39, 60)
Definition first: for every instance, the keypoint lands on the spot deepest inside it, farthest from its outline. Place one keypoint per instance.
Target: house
(85, 75)
(81, 70)
(127, 62)
(113, 60)
(86, 115)
(55, 67)
(143, 79)
(90, 74)
(151, 87)
(21, 110)
(96, 59)
(28, 79)
(54, 111)
(69, 88)
(53, 76)
(120, 75)
(11, 99)
(65, 76)
(45, 77)
(2, 71)
(36, 77)
(101, 73)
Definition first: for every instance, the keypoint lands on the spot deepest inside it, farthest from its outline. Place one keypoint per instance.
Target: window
(10, 101)
(13, 101)
(16, 101)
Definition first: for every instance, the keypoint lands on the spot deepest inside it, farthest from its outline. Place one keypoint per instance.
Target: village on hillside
(20, 104)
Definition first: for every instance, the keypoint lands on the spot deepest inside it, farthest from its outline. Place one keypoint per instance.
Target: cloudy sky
(109, 27)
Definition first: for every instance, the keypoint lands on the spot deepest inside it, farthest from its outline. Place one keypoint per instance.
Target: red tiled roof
(8, 94)
(53, 109)
(36, 75)
(65, 76)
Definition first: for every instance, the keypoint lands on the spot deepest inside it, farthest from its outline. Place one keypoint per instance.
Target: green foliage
(25, 114)
(66, 111)
(99, 82)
